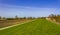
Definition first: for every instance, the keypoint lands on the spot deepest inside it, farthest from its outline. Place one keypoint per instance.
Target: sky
(29, 8)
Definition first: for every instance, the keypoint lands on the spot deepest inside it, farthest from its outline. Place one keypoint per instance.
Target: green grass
(37, 27)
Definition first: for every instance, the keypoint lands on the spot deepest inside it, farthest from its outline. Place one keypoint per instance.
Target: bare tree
(16, 17)
(4, 18)
(0, 17)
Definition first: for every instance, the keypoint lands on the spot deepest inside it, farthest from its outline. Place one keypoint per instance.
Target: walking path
(16, 25)
(53, 21)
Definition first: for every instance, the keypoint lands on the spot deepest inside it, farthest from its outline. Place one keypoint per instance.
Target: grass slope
(37, 27)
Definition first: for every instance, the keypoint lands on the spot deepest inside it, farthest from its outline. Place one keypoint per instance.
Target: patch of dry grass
(4, 23)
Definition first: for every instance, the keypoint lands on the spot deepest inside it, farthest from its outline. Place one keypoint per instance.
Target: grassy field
(37, 27)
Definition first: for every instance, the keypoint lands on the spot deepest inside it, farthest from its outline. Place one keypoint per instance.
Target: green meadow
(37, 27)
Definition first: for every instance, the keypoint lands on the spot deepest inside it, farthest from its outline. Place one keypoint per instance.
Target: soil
(5, 23)
(53, 21)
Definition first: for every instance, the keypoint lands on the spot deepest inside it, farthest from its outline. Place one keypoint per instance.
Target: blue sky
(34, 8)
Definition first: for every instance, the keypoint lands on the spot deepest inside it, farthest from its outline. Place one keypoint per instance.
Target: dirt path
(53, 21)
(5, 23)
(16, 25)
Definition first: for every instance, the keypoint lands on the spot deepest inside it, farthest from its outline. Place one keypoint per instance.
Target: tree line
(16, 18)
(52, 17)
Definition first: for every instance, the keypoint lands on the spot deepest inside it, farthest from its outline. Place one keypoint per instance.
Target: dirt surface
(53, 21)
(4, 23)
